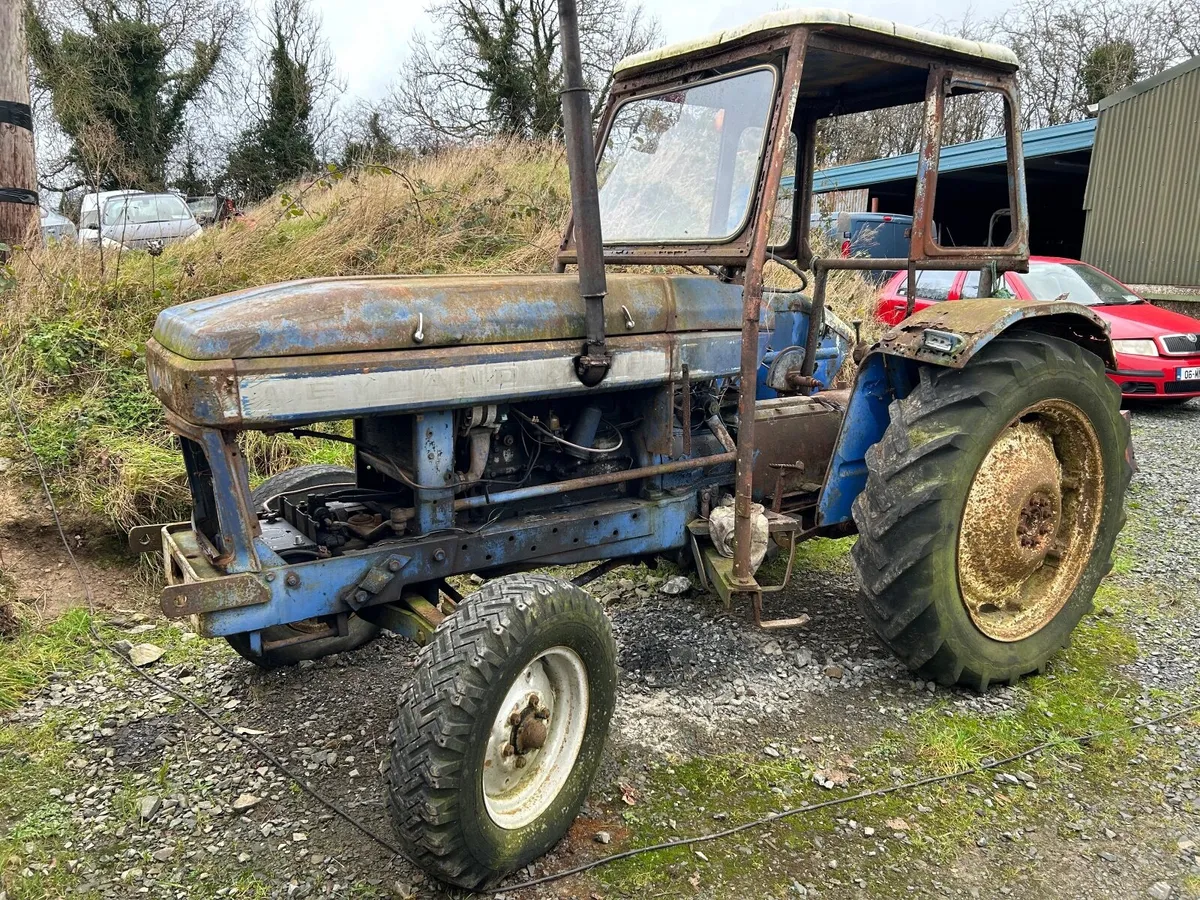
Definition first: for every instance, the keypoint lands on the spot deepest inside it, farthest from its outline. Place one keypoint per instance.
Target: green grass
(815, 555)
(1083, 691)
(28, 658)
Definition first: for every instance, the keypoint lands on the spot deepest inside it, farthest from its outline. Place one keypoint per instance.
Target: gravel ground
(152, 801)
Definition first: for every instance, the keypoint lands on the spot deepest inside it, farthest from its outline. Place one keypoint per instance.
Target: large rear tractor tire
(358, 632)
(991, 509)
(501, 730)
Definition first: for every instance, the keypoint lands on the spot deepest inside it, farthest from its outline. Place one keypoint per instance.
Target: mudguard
(949, 334)
(946, 334)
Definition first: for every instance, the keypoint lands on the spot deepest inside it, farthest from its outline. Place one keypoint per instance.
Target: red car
(1158, 351)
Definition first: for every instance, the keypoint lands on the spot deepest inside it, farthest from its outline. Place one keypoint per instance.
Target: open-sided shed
(972, 185)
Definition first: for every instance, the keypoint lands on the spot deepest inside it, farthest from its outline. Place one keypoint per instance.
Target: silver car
(147, 221)
(56, 228)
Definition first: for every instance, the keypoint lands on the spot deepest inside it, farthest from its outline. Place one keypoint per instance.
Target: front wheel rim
(536, 739)
(1031, 520)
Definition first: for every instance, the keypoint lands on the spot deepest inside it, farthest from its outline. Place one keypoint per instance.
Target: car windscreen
(142, 209)
(681, 166)
(1077, 283)
(206, 206)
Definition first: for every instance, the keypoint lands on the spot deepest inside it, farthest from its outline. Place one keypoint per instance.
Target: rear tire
(971, 462)
(465, 809)
(359, 631)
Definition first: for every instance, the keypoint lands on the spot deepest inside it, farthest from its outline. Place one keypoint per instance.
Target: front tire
(500, 732)
(991, 509)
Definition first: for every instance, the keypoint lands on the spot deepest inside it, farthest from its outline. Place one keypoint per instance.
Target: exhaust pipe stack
(593, 364)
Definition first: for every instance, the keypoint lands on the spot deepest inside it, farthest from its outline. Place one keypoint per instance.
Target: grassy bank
(75, 323)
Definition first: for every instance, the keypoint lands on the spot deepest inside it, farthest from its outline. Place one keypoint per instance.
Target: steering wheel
(795, 270)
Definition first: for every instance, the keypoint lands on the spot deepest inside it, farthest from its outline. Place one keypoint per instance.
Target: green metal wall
(1143, 192)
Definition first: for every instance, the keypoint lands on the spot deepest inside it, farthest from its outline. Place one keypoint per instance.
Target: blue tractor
(677, 408)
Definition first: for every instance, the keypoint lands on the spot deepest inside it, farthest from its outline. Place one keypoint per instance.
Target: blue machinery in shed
(505, 423)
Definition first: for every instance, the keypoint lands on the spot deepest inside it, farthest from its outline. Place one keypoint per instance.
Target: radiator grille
(1182, 343)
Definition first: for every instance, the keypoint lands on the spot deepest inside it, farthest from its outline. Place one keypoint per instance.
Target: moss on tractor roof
(816, 16)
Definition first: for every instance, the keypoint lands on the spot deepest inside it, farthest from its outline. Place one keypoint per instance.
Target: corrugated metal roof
(1143, 192)
(1149, 84)
(971, 155)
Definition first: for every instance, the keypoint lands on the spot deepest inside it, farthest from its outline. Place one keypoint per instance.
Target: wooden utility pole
(18, 172)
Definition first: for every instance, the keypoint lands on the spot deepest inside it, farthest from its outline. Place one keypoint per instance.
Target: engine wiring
(550, 434)
(233, 731)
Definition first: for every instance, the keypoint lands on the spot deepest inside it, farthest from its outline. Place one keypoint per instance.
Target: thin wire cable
(554, 437)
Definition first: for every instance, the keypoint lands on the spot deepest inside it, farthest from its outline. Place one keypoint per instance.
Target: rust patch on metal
(228, 592)
(978, 321)
(1030, 521)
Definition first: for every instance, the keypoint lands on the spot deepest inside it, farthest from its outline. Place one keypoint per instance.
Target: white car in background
(89, 213)
(147, 221)
(56, 228)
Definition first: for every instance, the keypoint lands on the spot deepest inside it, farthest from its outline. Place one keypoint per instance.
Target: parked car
(213, 210)
(146, 221)
(1158, 351)
(872, 235)
(89, 213)
(56, 227)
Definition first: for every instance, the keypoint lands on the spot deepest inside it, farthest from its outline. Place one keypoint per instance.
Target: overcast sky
(370, 37)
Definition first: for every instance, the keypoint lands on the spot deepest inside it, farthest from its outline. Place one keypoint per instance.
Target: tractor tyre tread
(903, 517)
(426, 771)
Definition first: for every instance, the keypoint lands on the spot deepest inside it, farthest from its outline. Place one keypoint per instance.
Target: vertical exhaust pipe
(593, 364)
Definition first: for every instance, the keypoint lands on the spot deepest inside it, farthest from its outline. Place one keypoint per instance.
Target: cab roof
(836, 21)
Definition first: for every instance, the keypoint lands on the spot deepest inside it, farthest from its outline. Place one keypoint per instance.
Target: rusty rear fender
(966, 326)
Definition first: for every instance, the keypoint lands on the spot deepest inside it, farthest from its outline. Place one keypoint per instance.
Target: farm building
(1143, 193)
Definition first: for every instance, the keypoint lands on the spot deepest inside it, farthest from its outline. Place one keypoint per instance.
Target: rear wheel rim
(1031, 520)
(536, 738)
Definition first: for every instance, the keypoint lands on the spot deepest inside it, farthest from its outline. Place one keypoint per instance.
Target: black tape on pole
(18, 195)
(19, 114)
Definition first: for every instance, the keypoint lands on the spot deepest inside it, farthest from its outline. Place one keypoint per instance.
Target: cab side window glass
(970, 287)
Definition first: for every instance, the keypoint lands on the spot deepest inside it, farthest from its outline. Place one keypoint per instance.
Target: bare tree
(304, 43)
(493, 67)
(1073, 52)
(291, 111)
(1182, 23)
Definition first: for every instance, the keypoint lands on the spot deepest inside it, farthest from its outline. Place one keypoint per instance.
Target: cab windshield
(1077, 283)
(681, 166)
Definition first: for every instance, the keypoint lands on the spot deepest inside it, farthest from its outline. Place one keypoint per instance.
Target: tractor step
(716, 571)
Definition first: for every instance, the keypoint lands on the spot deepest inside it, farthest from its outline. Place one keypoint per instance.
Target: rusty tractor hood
(385, 313)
